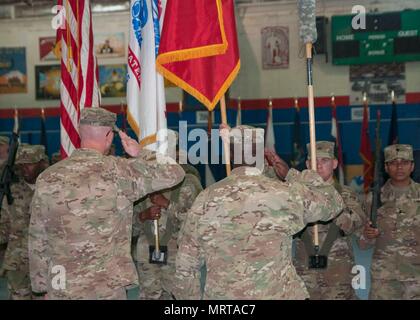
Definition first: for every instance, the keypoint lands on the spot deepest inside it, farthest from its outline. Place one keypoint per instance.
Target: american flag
(79, 70)
(270, 140)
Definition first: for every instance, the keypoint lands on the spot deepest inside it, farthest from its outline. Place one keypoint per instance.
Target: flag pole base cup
(318, 262)
(158, 256)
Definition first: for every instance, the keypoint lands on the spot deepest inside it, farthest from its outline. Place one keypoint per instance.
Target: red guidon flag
(199, 48)
(366, 151)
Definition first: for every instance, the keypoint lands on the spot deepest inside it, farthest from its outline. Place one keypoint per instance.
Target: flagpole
(312, 136)
(43, 138)
(393, 135)
(180, 107)
(239, 113)
(308, 35)
(269, 132)
(209, 122)
(367, 156)
(225, 143)
(16, 121)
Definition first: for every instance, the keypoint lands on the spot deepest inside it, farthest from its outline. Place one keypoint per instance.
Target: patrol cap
(242, 131)
(398, 151)
(28, 153)
(98, 117)
(324, 149)
(4, 140)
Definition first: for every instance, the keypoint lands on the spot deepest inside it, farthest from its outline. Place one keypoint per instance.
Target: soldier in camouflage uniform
(14, 221)
(82, 214)
(395, 266)
(156, 279)
(241, 228)
(334, 282)
(4, 151)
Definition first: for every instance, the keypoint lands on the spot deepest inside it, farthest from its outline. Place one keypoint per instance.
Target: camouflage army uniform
(395, 266)
(395, 270)
(14, 226)
(3, 229)
(156, 280)
(82, 218)
(14, 231)
(334, 282)
(241, 229)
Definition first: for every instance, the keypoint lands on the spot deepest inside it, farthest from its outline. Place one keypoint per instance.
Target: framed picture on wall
(109, 45)
(112, 80)
(275, 47)
(13, 76)
(47, 82)
(47, 49)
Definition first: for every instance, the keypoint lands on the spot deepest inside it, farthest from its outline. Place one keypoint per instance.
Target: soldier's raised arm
(320, 201)
(138, 177)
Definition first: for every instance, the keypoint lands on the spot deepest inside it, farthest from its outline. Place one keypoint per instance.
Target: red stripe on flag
(68, 126)
(134, 65)
(68, 83)
(73, 6)
(63, 152)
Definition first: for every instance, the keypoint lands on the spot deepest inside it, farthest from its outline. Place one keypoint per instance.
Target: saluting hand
(279, 165)
(130, 145)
